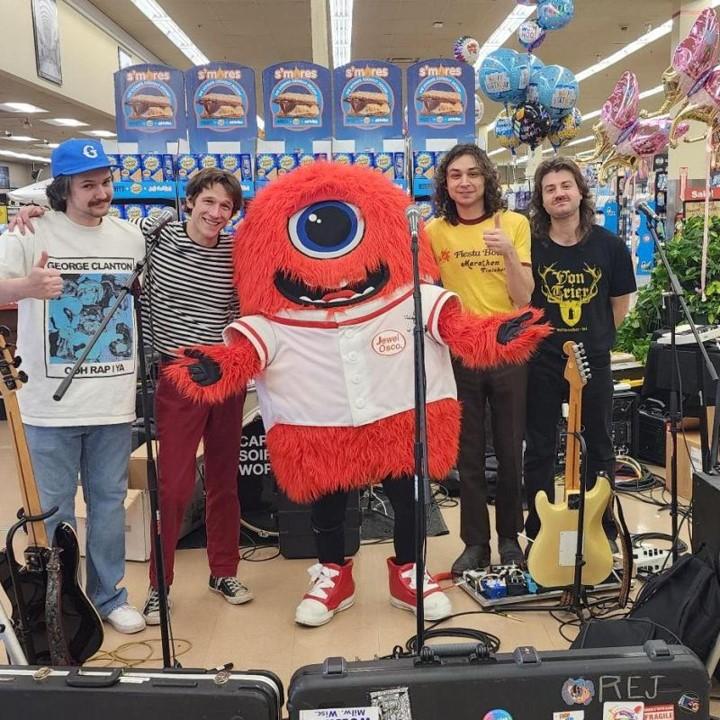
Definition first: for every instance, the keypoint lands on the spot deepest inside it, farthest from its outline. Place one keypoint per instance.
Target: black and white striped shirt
(188, 291)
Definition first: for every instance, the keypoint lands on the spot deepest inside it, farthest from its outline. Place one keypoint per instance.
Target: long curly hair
(444, 204)
(539, 217)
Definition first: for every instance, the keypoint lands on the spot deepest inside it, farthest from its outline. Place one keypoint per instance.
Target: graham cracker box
(137, 524)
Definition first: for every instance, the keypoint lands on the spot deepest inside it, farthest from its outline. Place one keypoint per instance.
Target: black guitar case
(463, 682)
(36, 693)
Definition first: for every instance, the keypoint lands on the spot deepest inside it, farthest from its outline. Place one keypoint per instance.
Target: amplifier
(624, 428)
(705, 514)
(651, 433)
(297, 539)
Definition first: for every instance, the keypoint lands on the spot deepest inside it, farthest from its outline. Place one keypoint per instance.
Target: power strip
(650, 559)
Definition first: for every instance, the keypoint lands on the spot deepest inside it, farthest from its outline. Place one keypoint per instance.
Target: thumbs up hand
(43, 283)
(497, 239)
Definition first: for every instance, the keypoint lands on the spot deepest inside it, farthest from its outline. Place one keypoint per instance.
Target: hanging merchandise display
(150, 107)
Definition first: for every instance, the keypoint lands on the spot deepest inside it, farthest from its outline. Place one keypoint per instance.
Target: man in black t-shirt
(583, 282)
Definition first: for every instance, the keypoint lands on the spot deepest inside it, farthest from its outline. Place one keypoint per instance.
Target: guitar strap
(627, 556)
(57, 645)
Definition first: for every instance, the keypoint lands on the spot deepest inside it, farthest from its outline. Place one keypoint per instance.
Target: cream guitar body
(552, 558)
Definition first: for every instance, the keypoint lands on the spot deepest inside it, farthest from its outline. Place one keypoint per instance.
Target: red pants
(181, 424)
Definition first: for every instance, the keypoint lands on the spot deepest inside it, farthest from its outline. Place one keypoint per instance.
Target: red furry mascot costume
(324, 277)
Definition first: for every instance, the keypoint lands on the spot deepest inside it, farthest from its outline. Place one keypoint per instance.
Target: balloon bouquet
(539, 100)
(626, 137)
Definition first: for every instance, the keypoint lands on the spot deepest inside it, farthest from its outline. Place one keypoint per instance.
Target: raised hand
(22, 222)
(497, 239)
(43, 283)
(205, 371)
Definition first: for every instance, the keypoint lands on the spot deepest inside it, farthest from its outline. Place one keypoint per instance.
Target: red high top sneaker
(402, 591)
(332, 589)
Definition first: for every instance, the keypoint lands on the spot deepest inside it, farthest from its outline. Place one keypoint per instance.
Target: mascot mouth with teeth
(324, 276)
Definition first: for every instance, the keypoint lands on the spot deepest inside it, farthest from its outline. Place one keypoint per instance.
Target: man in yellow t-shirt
(484, 256)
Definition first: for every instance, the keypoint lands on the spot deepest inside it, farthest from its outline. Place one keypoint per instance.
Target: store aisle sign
(297, 102)
(441, 100)
(221, 103)
(367, 103)
(150, 106)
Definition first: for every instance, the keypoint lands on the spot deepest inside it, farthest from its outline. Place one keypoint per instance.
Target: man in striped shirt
(189, 298)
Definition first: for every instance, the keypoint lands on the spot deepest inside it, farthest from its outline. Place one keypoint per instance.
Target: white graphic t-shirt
(95, 263)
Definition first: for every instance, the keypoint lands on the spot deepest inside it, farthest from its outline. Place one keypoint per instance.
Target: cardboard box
(137, 524)
(137, 480)
(689, 457)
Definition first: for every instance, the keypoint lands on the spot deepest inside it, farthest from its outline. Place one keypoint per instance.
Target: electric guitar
(551, 561)
(59, 625)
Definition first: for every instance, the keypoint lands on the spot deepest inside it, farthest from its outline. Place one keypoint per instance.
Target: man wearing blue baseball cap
(64, 275)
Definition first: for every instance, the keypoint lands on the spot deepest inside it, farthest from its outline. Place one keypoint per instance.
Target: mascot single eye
(326, 229)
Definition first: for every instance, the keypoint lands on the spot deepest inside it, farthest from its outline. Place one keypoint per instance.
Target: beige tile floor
(262, 633)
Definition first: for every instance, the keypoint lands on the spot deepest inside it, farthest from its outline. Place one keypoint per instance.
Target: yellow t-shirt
(472, 271)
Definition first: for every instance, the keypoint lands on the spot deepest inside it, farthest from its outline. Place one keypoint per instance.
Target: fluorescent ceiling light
(20, 138)
(504, 30)
(99, 133)
(47, 145)
(499, 150)
(341, 12)
(20, 107)
(629, 49)
(171, 30)
(23, 156)
(176, 36)
(66, 122)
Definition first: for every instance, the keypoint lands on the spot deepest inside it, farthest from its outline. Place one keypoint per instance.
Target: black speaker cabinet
(297, 539)
(706, 511)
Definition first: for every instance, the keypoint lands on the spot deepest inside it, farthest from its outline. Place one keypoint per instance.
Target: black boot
(510, 551)
(473, 557)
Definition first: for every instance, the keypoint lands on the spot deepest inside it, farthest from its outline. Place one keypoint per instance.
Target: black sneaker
(473, 557)
(151, 610)
(510, 552)
(231, 589)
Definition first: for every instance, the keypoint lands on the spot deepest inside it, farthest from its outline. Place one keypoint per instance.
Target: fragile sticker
(659, 712)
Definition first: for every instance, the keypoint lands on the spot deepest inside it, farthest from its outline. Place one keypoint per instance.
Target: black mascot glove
(205, 371)
(512, 328)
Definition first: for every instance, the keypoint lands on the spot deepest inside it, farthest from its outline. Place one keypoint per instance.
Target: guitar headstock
(577, 368)
(12, 378)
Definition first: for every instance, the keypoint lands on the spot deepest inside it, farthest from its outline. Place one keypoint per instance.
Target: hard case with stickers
(464, 682)
(89, 693)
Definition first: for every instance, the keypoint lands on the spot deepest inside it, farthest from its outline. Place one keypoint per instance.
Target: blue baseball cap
(78, 156)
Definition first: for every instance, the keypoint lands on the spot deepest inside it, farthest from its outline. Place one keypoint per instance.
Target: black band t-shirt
(574, 284)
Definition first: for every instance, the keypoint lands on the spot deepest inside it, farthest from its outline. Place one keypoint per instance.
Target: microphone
(167, 215)
(412, 213)
(649, 213)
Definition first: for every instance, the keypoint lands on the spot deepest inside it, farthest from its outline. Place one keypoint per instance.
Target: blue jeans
(100, 455)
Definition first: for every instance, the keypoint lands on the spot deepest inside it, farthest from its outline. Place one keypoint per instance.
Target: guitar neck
(28, 487)
(572, 448)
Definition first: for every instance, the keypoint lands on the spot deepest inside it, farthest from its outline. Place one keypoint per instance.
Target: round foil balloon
(554, 14)
(479, 109)
(503, 76)
(505, 132)
(557, 90)
(530, 35)
(565, 128)
(531, 123)
(466, 49)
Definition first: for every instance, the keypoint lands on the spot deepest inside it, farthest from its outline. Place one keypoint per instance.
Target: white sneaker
(126, 619)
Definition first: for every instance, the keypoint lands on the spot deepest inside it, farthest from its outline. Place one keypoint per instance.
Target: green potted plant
(684, 253)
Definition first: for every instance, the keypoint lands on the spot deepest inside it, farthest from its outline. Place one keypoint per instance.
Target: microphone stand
(133, 286)
(422, 483)
(676, 296)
